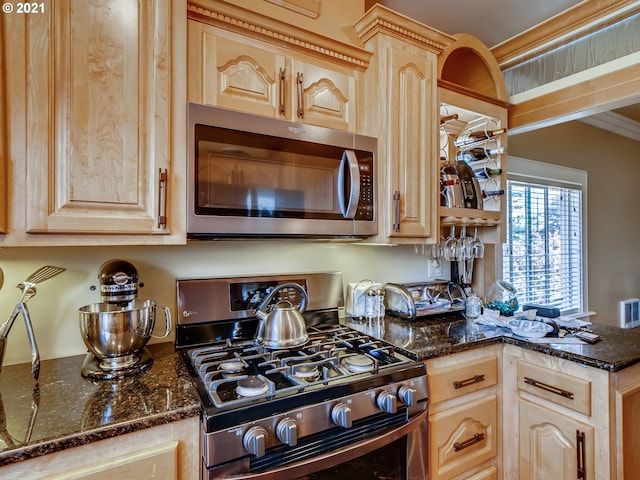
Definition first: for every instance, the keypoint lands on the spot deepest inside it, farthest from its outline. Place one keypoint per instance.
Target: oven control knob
(407, 395)
(386, 402)
(341, 415)
(287, 432)
(255, 441)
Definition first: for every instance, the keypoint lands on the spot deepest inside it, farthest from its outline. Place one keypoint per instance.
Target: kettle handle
(262, 308)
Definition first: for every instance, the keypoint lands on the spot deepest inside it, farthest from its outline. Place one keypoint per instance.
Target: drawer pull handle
(469, 381)
(549, 388)
(477, 437)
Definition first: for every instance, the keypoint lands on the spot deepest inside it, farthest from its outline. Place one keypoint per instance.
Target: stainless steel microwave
(254, 176)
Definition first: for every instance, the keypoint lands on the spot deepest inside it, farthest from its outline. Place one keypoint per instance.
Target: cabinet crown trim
(251, 24)
(381, 19)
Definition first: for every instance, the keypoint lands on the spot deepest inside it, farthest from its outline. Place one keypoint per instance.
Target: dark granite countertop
(423, 339)
(65, 410)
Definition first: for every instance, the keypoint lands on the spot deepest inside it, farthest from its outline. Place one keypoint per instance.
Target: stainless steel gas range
(343, 405)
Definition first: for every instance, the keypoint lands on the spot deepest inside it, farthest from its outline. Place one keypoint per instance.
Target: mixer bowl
(110, 331)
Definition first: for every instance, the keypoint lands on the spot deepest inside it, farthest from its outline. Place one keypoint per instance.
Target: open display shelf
(473, 121)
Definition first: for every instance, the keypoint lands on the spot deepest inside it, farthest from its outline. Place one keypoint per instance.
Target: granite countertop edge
(537, 347)
(91, 402)
(72, 440)
(422, 340)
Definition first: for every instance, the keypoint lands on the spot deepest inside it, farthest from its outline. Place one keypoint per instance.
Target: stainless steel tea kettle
(282, 325)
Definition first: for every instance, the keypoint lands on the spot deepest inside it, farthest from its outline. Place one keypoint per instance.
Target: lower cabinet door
(554, 446)
(462, 437)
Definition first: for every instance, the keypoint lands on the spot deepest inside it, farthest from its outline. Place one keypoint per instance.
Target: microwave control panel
(365, 203)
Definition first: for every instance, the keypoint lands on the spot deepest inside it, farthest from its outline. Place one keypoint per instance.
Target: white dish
(529, 328)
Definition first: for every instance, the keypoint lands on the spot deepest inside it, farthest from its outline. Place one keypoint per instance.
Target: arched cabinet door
(553, 445)
(242, 73)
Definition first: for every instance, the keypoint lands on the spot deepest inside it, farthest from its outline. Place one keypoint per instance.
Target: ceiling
(492, 21)
(495, 21)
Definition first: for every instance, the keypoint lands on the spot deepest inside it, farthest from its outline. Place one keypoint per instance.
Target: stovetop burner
(236, 373)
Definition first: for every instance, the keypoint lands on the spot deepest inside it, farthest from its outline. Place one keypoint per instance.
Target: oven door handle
(331, 459)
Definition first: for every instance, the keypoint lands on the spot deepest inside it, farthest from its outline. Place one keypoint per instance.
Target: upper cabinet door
(410, 148)
(324, 96)
(231, 71)
(97, 139)
(235, 75)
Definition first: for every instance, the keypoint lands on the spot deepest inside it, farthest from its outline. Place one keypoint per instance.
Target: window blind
(542, 258)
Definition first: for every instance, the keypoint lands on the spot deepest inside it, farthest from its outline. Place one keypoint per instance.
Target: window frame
(526, 170)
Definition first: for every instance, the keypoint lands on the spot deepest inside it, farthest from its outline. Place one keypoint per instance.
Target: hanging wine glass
(451, 246)
(475, 246)
(465, 242)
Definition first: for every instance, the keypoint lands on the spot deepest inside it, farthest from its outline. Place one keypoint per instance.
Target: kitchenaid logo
(297, 130)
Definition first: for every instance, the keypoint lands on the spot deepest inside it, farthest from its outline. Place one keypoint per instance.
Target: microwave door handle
(350, 162)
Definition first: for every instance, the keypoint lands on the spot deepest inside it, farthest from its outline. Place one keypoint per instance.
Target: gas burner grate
(332, 354)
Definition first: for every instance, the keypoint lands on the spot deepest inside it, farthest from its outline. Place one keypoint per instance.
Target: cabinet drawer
(462, 437)
(457, 380)
(566, 390)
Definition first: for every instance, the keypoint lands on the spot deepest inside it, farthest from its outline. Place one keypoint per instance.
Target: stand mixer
(117, 329)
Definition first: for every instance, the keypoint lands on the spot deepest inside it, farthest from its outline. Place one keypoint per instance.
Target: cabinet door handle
(549, 388)
(396, 211)
(469, 381)
(581, 454)
(300, 85)
(477, 437)
(282, 91)
(162, 198)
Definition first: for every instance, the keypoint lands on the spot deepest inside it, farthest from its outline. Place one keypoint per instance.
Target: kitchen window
(545, 252)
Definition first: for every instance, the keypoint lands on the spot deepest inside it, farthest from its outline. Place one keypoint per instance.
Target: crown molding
(380, 19)
(615, 123)
(246, 22)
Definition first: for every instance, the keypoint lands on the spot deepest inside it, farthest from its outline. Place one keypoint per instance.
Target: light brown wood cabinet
(553, 445)
(164, 452)
(556, 418)
(401, 110)
(626, 429)
(240, 73)
(464, 426)
(97, 111)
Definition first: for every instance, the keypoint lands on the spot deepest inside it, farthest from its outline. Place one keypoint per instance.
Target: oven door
(398, 454)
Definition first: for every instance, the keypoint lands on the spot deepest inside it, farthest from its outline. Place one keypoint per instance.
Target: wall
(54, 309)
(613, 170)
